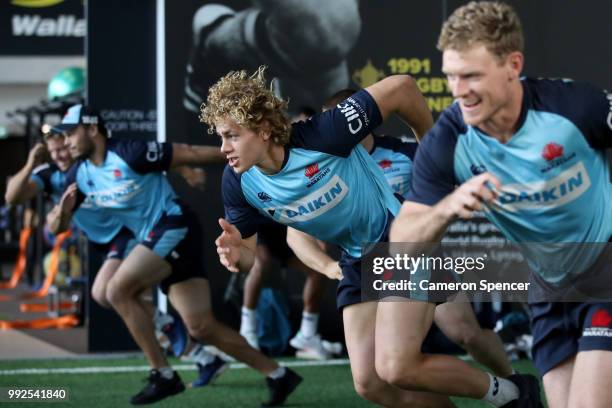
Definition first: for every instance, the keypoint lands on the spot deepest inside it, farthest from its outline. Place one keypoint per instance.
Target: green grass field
(323, 386)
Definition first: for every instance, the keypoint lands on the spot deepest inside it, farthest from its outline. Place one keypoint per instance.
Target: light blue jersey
(554, 172)
(99, 226)
(129, 185)
(328, 186)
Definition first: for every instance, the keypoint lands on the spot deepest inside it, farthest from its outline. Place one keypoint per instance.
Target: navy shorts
(349, 288)
(119, 246)
(274, 236)
(178, 239)
(562, 329)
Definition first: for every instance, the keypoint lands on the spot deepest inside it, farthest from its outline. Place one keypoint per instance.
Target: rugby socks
(166, 372)
(201, 356)
(278, 373)
(248, 322)
(310, 324)
(501, 391)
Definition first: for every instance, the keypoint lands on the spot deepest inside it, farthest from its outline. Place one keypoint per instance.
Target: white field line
(139, 368)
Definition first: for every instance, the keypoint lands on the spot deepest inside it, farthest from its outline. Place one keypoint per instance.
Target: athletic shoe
(529, 392)
(158, 388)
(208, 373)
(174, 329)
(333, 348)
(309, 347)
(251, 338)
(280, 388)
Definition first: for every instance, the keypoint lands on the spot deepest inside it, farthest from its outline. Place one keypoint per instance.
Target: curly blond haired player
(316, 177)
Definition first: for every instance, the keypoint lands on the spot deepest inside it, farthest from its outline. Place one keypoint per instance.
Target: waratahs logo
(311, 170)
(601, 325)
(385, 164)
(552, 151)
(601, 318)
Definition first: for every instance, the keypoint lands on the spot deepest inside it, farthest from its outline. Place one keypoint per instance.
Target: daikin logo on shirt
(560, 190)
(314, 204)
(115, 195)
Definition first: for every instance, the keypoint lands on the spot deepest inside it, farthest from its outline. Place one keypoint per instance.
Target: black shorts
(178, 239)
(119, 246)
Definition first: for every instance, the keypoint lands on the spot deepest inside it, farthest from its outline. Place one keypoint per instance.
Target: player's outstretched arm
(400, 94)
(422, 223)
(59, 217)
(20, 187)
(185, 155)
(235, 253)
(307, 249)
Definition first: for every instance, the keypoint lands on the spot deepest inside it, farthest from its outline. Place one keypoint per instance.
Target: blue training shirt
(130, 184)
(98, 225)
(555, 177)
(395, 158)
(328, 186)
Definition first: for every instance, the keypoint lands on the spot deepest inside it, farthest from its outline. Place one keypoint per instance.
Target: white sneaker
(333, 348)
(309, 347)
(251, 338)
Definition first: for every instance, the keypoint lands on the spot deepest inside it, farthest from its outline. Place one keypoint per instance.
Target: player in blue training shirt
(125, 179)
(51, 178)
(315, 177)
(395, 156)
(530, 153)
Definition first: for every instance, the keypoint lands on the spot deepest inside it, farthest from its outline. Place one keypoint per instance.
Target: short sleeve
(71, 177)
(144, 156)
(337, 131)
(237, 210)
(433, 175)
(587, 106)
(42, 177)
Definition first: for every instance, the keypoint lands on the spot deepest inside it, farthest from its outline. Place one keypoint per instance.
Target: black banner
(121, 71)
(42, 27)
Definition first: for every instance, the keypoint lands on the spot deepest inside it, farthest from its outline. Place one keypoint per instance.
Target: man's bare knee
(201, 327)
(118, 293)
(400, 372)
(369, 389)
(465, 335)
(99, 295)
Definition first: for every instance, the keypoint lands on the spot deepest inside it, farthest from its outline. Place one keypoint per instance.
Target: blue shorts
(561, 330)
(119, 246)
(178, 239)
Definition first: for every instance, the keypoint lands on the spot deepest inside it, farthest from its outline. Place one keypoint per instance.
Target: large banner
(42, 27)
(310, 60)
